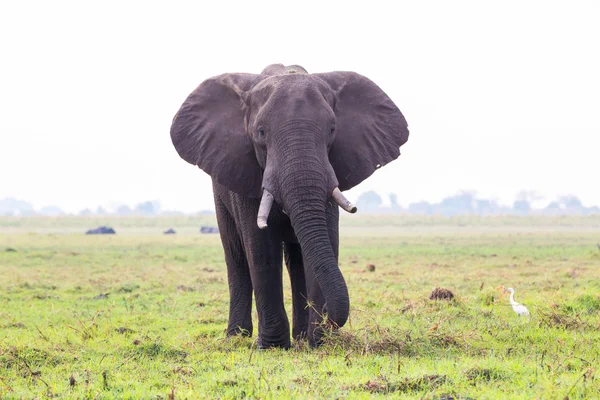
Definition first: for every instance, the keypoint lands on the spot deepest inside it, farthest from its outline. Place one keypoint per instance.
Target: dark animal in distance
(170, 231)
(209, 229)
(101, 230)
(280, 147)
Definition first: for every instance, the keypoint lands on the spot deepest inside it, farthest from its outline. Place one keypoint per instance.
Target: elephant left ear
(369, 129)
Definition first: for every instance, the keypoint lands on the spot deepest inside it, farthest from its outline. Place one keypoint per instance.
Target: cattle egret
(520, 309)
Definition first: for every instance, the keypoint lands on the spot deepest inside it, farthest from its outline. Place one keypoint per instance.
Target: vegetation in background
(462, 203)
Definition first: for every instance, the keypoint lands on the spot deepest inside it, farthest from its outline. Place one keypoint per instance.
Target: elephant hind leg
(295, 267)
(238, 274)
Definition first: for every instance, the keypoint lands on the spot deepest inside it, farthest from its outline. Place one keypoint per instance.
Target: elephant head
(297, 139)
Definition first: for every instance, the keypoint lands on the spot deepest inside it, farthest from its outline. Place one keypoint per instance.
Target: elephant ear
(370, 128)
(209, 131)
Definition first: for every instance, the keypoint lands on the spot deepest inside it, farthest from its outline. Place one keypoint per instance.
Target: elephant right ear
(209, 131)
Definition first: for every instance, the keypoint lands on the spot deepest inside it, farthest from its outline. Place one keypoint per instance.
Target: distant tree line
(11, 206)
(369, 202)
(465, 203)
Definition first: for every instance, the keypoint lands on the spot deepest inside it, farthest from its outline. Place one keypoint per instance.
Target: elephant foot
(315, 340)
(319, 333)
(263, 343)
(316, 330)
(239, 331)
(300, 333)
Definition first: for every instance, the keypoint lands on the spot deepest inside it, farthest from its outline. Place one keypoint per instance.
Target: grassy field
(142, 315)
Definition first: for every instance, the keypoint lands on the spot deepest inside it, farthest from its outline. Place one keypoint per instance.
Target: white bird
(520, 309)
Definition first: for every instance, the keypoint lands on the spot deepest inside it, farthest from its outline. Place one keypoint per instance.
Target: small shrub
(488, 297)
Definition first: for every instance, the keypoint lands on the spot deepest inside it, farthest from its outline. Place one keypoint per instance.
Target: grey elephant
(280, 147)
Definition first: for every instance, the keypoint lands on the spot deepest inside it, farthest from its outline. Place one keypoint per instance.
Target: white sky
(499, 96)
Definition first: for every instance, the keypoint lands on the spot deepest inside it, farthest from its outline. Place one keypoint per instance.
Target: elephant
(280, 147)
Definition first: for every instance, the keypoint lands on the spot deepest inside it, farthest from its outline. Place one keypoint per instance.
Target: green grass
(141, 315)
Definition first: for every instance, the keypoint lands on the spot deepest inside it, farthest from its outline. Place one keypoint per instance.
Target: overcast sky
(499, 96)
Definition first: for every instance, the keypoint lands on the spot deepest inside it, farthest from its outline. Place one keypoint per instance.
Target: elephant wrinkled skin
(292, 139)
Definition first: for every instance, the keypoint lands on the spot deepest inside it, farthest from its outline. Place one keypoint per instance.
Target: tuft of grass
(478, 374)
(488, 297)
(157, 350)
(562, 320)
(128, 288)
(421, 383)
(589, 303)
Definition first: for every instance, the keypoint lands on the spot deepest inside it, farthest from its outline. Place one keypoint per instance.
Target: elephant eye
(261, 132)
(332, 129)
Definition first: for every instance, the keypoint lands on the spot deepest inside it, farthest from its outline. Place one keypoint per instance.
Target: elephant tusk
(265, 208)
(343, 202)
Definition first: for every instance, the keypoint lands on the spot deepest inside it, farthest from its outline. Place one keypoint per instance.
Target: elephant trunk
(306, 185)
(311, 230)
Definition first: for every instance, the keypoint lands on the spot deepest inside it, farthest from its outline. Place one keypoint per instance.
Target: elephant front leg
(273, 325)
(265, 268)
(238, 275)
(240, 298)
(295, 266)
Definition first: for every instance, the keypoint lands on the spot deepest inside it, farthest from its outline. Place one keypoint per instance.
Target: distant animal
(520, 309)
(101, 230)
(170, 231)
(280, 147)
(209, 229)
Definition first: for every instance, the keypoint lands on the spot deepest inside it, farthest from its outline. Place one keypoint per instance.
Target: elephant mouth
(266, 202)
